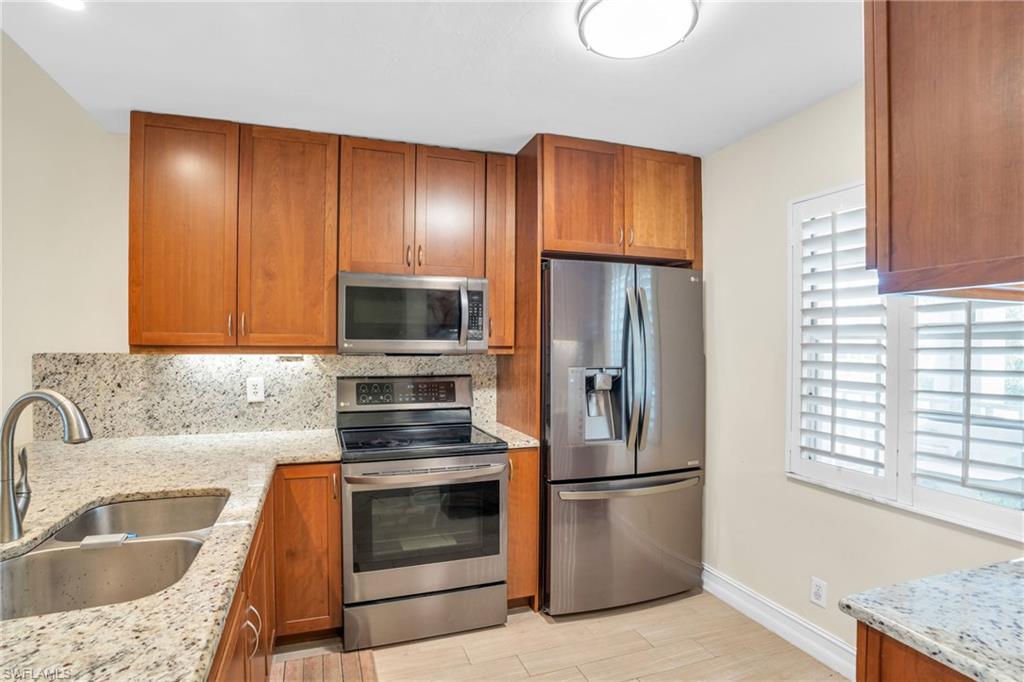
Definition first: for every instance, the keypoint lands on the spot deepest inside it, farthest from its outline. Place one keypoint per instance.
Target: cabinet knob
(632, 236)
(419, 255)
(408, 255)
(241, 326)
(622, 234)
(490, 327)
(229, 325)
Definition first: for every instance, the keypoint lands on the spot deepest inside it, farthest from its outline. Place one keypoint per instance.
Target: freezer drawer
(613, 543)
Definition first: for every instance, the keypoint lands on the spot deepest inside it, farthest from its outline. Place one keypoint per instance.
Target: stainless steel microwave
(411, 315)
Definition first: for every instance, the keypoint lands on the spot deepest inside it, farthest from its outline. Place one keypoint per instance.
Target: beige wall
(65, 225)
(761, 529)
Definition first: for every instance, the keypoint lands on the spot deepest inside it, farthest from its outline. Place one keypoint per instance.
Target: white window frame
(896, 488)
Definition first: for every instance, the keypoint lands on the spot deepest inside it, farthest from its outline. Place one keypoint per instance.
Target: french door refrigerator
(623, 391)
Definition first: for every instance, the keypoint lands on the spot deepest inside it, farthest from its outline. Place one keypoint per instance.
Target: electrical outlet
(254, 389)
(819, 592)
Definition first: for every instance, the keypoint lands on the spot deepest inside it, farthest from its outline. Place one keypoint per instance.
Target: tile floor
(697, 638)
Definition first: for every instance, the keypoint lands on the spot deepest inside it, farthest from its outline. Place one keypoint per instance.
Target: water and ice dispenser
(596, 397)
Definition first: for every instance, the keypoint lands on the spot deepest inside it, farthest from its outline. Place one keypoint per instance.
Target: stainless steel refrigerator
(623, 391)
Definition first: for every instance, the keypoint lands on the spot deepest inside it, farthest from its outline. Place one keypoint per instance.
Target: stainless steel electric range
(425, 510)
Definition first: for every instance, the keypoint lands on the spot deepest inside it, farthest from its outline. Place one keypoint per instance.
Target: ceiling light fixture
(73, 5)
(628, 29)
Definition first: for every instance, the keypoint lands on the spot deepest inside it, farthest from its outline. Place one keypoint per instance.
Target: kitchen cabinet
(307, 548)
(287, 238)
(259, 578)
(247, 641)
(231, 662)
(945, 143)
(582, 196)
(450, 225)
(659, 204)
(524, 526)
(411, 209)
(881, 658)
(182, 231)
(501, 251)
(603, 199)
(377, 223)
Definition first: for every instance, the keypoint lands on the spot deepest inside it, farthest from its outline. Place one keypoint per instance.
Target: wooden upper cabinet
(582, 191)
(287, 238)
(378, 200)
(945, 143)
(182, 229)
(450, 223)
(659, 204)
(307, 547)
(501, 251)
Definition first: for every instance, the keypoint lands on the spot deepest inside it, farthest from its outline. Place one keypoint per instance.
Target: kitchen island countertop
(971, 620)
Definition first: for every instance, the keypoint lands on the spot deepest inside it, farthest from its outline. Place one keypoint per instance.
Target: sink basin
(146, 517)
(67, 578)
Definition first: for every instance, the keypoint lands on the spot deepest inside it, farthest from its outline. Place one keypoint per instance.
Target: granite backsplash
(124, 395)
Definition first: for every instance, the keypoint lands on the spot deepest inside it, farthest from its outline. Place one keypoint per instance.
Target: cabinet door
(377, 226)
(287, 238)
(659, 204)
(582, 196)
(501, 251)
(450, 224)
(182, 231)
(945, 143)
(307, 547)
(231, 662)
(524, 525)
(259, 586)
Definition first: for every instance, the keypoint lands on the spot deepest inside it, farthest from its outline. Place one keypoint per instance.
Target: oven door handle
(434, 476)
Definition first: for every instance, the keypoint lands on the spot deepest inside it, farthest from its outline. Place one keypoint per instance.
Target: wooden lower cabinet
(524, 526)
(248, 639)
(881, 658)
(307, 547)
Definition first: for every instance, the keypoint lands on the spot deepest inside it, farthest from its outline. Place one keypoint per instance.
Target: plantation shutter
(968, 398)
(842, 350)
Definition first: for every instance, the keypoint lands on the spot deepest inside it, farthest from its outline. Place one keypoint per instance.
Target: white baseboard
(801, 633)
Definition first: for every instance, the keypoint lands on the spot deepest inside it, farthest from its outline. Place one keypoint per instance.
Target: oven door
(402, 314)
(418, 526)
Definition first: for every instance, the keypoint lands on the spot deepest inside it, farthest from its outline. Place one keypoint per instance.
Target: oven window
(374, 313)
(401, 527)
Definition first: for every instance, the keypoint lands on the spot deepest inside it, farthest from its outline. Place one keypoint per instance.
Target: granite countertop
(515, 439)
(172, 634)
(970, 620)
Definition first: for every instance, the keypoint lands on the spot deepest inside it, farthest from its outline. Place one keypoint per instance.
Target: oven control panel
(404, 392)
(476, 315)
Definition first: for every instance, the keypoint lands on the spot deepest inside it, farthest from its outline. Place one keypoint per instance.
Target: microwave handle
(464, 317)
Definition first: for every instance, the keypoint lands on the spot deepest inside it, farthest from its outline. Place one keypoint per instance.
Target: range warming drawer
(612, 543)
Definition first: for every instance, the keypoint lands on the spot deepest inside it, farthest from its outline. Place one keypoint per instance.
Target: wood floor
(698, 638)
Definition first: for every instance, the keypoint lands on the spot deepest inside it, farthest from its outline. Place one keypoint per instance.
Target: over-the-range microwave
(411, 315)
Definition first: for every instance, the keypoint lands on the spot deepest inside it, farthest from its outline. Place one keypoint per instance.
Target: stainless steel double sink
(64, 574)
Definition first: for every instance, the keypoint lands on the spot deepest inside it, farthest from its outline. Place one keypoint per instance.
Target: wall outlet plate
(254, 389)
(819, 592)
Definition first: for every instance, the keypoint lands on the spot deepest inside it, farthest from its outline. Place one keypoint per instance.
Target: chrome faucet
(14, 498)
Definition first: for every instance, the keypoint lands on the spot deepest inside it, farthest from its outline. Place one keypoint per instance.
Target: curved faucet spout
(14, 500)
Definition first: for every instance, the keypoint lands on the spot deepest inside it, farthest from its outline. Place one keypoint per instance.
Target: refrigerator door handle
(636, 342)
(645, 318)
(626, 492)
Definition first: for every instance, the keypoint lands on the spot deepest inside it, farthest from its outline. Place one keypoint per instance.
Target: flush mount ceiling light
(628, 29)
(73, 5)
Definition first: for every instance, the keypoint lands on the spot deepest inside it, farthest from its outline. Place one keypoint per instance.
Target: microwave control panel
(476, 316)
(404, 392)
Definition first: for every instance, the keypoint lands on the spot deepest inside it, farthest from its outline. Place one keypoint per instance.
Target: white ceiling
(465, 74)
